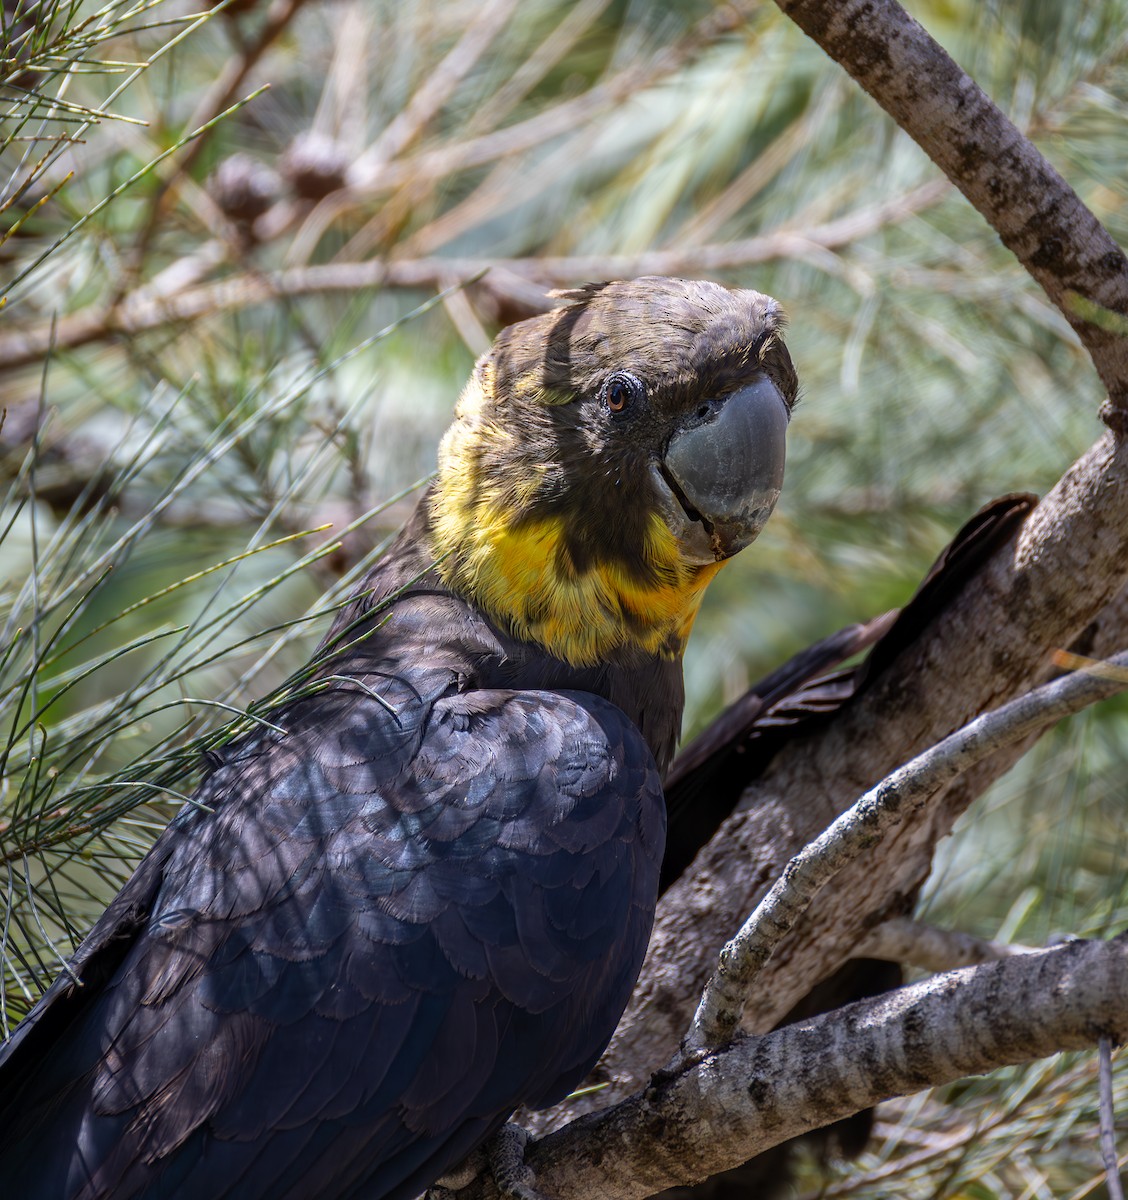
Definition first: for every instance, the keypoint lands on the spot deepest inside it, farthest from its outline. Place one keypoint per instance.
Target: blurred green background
(212, 345)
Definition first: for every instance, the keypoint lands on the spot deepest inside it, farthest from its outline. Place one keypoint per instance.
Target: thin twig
(1108, 1122)
(1030, 206)
(930, 948)
(398, 137)
(575, 21)
(463, 154)
(217, 98)
(865, 826)
(143, 311)
(704, 1116)
(440, 84)
(412, 177)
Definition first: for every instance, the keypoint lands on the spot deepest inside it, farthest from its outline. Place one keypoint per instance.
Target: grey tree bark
(760, 1091)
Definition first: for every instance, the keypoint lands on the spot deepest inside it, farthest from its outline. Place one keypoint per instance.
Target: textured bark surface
(858, 835)
(760, 1091)
(1036, 213)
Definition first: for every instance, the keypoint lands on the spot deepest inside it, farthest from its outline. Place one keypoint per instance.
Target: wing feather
(406, 917)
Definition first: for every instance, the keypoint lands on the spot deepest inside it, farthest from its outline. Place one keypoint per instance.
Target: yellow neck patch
(517, 570)
(521, 579)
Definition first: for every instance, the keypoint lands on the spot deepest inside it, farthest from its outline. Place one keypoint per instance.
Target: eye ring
(621, 390)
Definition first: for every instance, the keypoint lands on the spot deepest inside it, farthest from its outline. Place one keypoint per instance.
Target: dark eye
(621, 391)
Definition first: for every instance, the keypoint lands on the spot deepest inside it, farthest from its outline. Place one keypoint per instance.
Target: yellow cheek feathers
(520, 575)
(517, 570)
(519, 578)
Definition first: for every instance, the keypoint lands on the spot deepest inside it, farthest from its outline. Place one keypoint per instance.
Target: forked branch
(864, 826)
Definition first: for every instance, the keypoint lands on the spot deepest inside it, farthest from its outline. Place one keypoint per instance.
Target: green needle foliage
(235, 320)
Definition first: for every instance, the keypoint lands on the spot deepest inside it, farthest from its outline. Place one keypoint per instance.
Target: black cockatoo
(422, 898)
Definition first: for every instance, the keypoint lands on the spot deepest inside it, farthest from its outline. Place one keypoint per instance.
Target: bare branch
(218, 97)
(1036, 213)
(865, 825)
(760, 1091)
(146, 310)
(1108, 1123)
(993, 641)
(440, 84)
(932, 949)
(465, 153)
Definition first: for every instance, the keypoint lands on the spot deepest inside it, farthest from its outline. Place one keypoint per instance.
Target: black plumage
(424, 904)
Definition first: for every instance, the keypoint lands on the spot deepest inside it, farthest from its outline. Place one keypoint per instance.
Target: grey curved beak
(725, 466)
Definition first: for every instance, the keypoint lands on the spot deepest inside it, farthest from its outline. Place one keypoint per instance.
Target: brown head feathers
(545, 513)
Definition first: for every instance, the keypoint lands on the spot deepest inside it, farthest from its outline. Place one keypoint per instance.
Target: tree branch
(440, 84)
(1036, 213)
(865, 825)
(932, 949)
(760, 1091)
(1108, 1124)
(146, 309)
(218, 97)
